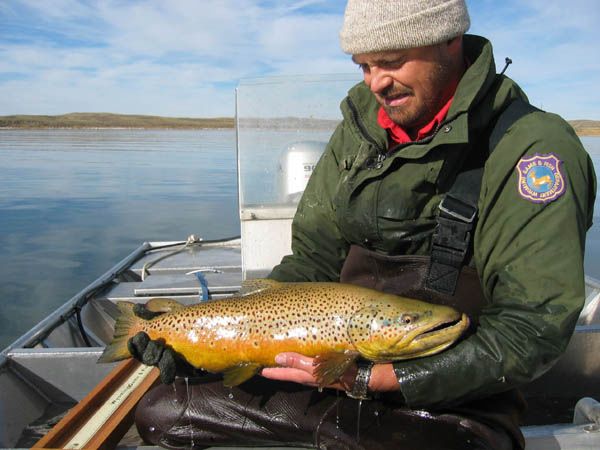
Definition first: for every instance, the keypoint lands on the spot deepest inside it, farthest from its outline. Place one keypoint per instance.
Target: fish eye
(407, 319)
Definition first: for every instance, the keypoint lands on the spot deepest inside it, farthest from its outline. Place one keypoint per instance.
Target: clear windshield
(283, 125)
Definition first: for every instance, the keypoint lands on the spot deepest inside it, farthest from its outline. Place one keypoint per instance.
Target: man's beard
(414, 116)
(410, 118)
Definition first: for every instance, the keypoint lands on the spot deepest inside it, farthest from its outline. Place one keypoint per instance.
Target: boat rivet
(447, 128)
(592, 428)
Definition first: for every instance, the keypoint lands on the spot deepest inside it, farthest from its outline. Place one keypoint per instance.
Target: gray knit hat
(379, 25)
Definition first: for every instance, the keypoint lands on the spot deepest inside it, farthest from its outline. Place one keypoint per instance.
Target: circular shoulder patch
(540, 178)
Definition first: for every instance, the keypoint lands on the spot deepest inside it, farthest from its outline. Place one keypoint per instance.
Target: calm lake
(75, 202)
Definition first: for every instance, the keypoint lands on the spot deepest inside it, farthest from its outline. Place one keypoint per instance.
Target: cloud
(155, 57)
(184, 57)
(552, 46)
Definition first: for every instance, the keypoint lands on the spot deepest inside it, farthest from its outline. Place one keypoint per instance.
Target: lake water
(75, 202)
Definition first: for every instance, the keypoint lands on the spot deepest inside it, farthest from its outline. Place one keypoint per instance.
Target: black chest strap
(453, 235)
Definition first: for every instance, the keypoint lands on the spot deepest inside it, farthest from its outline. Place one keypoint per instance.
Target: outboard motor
(296, 164)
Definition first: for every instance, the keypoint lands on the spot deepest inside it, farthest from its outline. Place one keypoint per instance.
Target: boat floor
(60, 369)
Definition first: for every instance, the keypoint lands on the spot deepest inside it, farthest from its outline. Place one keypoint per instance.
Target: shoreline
(116, 128)
(112, 121)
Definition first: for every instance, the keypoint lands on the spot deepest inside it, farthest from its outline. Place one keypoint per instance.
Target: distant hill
(586, 127)
(108, 120)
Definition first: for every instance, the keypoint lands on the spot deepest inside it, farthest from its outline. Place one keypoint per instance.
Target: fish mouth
(435, 338)
(449, 327)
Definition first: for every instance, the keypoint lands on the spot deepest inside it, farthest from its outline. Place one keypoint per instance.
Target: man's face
(413, 85)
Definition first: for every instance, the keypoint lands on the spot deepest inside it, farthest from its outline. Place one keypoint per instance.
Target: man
(441, 183)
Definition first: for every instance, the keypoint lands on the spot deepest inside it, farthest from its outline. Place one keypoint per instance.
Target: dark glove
(157, 353)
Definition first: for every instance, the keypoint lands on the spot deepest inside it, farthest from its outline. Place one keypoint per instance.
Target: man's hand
(300, 369)
(156, 353)
(153, 353)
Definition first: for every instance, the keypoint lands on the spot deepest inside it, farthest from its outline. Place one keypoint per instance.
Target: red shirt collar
(397, 133)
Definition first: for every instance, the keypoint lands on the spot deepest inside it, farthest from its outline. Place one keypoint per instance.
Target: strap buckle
(458, 209)
(450, 244)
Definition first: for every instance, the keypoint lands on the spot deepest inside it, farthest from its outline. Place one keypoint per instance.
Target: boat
(46, 372)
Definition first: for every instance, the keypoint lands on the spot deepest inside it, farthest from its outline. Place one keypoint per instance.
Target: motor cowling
(296, 165)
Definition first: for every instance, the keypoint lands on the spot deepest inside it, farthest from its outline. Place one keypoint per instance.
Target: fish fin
(163, 305)
(238, 374)
(257, 285)
(126, 321)
(329, 367)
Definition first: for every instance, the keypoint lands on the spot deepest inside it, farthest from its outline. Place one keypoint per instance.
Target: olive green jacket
(529, 256)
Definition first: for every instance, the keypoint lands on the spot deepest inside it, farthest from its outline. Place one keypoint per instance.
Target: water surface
(75, 202)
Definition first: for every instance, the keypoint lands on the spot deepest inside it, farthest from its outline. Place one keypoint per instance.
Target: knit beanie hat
(379, 25)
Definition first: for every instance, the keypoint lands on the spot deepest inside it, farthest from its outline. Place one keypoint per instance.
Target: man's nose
(379, 80)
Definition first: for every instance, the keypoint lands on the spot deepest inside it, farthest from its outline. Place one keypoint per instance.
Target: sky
(184, 58)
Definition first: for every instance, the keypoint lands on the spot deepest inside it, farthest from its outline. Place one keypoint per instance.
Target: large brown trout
(335, 323)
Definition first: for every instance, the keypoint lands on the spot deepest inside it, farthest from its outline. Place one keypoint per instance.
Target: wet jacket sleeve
(318, 247)
(530, 260)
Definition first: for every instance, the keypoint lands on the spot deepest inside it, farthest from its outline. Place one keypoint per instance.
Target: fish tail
(127, 323)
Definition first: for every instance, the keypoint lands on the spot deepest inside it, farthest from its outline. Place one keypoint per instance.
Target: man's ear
(455, 44)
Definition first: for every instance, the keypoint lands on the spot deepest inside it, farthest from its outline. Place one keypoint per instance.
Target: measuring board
(102, 418)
